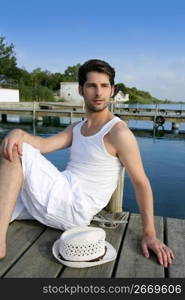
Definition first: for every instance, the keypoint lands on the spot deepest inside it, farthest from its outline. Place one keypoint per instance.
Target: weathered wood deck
(29, 252)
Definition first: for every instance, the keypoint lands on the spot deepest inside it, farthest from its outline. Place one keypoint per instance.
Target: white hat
(82, 247)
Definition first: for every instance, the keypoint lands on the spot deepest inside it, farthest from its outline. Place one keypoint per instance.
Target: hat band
(92, 260)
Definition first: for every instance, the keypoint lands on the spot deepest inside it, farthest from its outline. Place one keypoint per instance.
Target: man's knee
(15, 153)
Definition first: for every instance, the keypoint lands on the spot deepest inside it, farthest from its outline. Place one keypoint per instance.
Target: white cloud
(163, 78)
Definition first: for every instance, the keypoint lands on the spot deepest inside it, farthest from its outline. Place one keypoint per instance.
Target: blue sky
(143, 40)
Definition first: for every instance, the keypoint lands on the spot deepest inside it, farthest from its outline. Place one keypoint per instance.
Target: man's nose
(99, 91)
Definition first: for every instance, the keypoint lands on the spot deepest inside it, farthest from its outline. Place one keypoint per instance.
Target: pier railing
(40, 110)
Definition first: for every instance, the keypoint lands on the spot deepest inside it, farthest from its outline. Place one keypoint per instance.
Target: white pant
(52, 197)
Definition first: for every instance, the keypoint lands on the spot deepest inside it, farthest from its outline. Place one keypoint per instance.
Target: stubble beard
(92, 108)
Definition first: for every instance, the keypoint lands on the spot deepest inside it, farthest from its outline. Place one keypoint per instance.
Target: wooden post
(71, 117)
(115, 203)
(34, 110)
(4, 118)
(155, 116)
(34, 131)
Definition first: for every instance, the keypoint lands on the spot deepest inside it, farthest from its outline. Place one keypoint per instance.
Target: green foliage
(26, 93)
(42, 93)
(39, 77)
(7, 60)
(40, 85)
(23, 76)
(37, 93)
(137, 96)
(54, 81)
(71, 73)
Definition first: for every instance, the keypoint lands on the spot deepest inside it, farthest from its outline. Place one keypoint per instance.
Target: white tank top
(97, 171)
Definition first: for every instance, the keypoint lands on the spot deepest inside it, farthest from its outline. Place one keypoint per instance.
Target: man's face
(96, 91)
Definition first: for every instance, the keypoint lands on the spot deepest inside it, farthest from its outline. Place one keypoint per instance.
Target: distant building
(69, 92)
(120, 96)
(9, 95)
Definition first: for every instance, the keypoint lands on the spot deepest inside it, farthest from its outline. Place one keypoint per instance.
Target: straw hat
(82, 247)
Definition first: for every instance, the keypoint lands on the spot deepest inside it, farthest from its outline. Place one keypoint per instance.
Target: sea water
(163, 156)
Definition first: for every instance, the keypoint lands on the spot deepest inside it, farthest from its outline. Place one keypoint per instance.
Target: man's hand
(164, 253)
(12, 140)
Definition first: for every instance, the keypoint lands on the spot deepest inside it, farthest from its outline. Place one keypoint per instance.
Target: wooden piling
(34, 119)
(115, 204)
(4, 118)
(71, 117)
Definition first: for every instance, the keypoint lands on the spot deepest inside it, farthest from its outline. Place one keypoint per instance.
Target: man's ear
(80, 90)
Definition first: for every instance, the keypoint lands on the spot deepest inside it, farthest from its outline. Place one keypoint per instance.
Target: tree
(8, 63)
(120, 87)
(38, 93)
(23, 77)
(71, 73)
(39, 77)
(54, 81)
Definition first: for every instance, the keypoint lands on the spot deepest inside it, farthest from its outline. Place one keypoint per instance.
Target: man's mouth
(98, 101)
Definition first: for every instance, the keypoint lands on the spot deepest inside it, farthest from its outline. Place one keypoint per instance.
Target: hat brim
(109, 256)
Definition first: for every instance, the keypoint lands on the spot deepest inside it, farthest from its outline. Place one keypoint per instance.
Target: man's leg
(11, 178)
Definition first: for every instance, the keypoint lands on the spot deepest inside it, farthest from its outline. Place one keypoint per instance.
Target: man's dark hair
(95, 65)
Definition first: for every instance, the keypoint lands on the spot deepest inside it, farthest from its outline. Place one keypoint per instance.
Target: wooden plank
(175, 233)
(38, 261)
(21, 234)
(113, 236)
(132, 263)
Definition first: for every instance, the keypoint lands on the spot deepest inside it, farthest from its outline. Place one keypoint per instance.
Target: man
(100, 146)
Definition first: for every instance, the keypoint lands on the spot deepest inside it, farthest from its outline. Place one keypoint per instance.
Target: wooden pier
(30, 252)
(39, 110)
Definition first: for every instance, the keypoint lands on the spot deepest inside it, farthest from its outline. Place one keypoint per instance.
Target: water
(163, 157)
(164, 163)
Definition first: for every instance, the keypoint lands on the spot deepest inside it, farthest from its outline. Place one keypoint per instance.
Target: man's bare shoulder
(120, 133)
(119, 129)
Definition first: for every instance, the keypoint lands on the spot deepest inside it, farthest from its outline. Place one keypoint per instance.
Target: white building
(9, 95)
(120, 96)
(69, 92)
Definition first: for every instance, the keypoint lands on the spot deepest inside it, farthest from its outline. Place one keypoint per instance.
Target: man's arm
(128, 152)
(17, 137)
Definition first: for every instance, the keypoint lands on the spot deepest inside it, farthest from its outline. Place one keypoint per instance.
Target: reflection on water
(140, 128)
